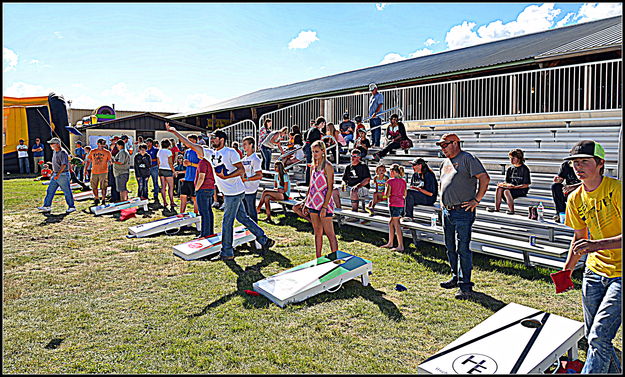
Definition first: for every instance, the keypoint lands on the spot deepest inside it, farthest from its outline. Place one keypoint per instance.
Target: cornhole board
(211, 245)
(164, 225)
(88, 194)
(114, 207)
(314, 277)
(515, 340)
(72, 186)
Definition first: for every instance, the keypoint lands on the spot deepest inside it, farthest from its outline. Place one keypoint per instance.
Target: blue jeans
(115, 197)
(63, 183)
(154, 175)
(266, 153)
(349, 138)
(24, 165)
(601, 299)
(458, 222)
(377, 133)
(234, 209)
(250, 206)
(142, 191)
(414, 198)
(204, 198)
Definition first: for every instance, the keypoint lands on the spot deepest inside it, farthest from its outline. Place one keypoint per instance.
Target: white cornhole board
(211, 245)
(88, 194)
(314, 277)
(506, 344)
(164, 225)
(73, 186)
(114, 207)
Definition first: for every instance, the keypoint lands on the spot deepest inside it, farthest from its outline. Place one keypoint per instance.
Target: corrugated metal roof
(611, 36)
(516, 49)
(114, 122)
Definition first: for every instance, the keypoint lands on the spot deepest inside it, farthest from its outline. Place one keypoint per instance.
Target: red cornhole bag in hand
(562, 280)
(128, 213)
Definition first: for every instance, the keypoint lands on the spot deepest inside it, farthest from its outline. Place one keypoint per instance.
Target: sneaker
(222, 206)
(226, 258)
(370, 210)
(352, 220)
(491, 209)
(268, 244)
(96, 202)
(449, 284)
(216, 205)
(70, 210)
(103, 202)
(556, 218)
(463, 295)
(44, 209)
(173, 210)
(406, 218)
(508, 212)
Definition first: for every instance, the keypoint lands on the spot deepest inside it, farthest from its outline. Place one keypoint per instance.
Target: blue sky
(182, 57)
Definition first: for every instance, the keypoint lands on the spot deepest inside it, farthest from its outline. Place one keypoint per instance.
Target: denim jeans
(349, 138)
(458, 223)
(204, 198)
(63, 183)
(115, 197)
(266, 153)
(414, 198)
(601, 299)
(24, 165)
(142, 183)
(377, 133)
(154, 175)
(234, 209)
(250, 206)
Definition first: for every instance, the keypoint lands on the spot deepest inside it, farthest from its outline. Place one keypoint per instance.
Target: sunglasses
(444, 145)
(355, 155)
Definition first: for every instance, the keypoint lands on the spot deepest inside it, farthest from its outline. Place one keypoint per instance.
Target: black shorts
(187, 188)
(516, 193)
(318, 212)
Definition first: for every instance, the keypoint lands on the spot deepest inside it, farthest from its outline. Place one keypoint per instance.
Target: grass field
(78, 297)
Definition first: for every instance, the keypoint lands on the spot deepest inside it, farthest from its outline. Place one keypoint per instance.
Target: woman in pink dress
(319, 202)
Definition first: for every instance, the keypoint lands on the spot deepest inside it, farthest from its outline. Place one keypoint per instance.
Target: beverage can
(533, 240)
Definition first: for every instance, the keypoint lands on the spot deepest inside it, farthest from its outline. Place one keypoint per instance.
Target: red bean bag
(128, 213)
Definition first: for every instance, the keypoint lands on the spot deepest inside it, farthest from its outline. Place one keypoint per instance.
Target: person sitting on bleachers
(296, 143)
(362, 143)
(356, 178)
(347, 128)
(560, 192)
(423, 187)
(395, 134)
(281, 190)
(331, 135)
(517, 182)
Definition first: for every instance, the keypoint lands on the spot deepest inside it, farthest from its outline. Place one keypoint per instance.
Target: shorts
(99, 179)
(121, 181)
(165, 173)
(363, 192)
(328, 214)
(396, 211)
(187, 188)
(516, 193)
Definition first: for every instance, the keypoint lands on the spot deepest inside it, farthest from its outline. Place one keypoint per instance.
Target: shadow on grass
(53, 219)
(245, 278)
(352, 289)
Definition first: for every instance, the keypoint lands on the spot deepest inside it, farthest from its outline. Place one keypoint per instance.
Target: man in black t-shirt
(355, 181)
(561, 191)
(347, 128)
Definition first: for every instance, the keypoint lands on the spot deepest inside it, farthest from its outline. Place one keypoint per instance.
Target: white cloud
(34, 61)
(199, 100)
(597, 11)
(430, 42)
(9, 59)
(22, 89)
(153, 94)
(380, 6)
(565, 20)
(532, 19)
(303, 40)
(58, 34)
(394, 57)
(422, 52)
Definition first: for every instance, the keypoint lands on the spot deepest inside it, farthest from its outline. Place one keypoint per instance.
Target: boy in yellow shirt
(596, 207)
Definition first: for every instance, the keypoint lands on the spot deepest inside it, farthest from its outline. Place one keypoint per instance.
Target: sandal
(492, 209)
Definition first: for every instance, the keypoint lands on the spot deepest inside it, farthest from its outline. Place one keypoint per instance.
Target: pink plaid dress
(318, 190)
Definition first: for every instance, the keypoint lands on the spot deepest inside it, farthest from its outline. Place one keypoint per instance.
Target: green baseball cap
(586, 149)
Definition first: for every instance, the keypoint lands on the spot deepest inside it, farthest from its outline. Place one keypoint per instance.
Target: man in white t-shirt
(253, 174)
(228, 169)
(22, 157)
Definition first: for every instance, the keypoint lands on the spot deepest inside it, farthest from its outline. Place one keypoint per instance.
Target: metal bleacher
(497, 234)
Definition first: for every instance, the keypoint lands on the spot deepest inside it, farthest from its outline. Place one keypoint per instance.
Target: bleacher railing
(582, 87)
(240, 130)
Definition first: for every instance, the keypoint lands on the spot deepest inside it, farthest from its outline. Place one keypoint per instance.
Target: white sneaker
(44, 209)
(70, 210)
(222, 206)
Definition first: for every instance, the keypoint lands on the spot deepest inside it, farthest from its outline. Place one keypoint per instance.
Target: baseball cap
(220, 134)
(417, 161)
(358, 118)
(345, 115)
(372, 86)
(448, 137)
(586, 149)
(54, 140)
(124, 137)
(79, 142)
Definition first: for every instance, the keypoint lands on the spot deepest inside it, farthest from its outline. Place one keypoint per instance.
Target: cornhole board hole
(85, 195)
(211, 245)
(114, 207)
(164, 225)
(515, 340)
(314, 277)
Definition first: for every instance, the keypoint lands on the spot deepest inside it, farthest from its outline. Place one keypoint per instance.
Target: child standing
(143, 162)
(396, 193)
(379, 195)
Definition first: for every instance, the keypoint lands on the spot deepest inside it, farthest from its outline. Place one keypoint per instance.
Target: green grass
(81, 298)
